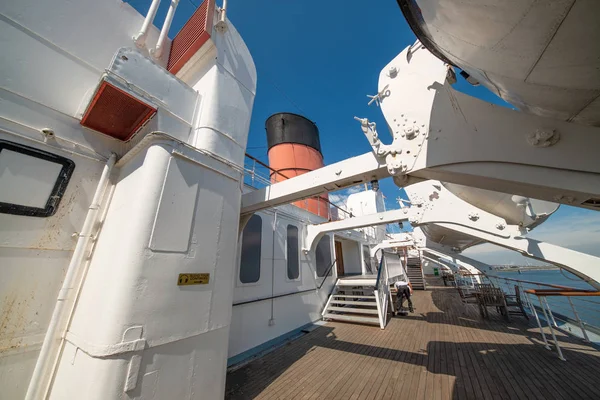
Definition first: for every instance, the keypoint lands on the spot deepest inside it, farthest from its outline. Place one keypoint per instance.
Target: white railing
(140, 38)
(575, 313)
(258, 175)
(382, 292)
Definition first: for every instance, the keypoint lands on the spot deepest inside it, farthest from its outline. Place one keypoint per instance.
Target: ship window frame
(257, 251)
(58, 190)
(297, 256)
(328, 264)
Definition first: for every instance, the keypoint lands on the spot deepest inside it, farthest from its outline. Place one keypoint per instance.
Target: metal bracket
(383, 93)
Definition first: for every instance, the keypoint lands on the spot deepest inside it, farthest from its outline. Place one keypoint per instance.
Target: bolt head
(47, 132)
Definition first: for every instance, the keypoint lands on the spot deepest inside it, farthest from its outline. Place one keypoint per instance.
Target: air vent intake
(192, 36)
(116, 113)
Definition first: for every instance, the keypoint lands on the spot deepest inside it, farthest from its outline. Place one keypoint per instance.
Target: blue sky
(321, 59)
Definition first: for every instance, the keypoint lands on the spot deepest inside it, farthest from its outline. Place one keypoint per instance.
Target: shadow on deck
(442, 351)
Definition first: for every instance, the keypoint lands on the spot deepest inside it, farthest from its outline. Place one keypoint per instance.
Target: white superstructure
(136, 263)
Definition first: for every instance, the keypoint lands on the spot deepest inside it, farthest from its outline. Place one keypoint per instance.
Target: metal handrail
(379, 269)
(327, 273)
(532, 282)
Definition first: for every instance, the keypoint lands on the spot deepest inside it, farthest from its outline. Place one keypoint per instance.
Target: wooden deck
(442, 351)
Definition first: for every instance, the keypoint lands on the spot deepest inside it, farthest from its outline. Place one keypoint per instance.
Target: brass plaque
(193, 279)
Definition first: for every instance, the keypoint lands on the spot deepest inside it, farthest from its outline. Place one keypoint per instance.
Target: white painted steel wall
(34, 254)
(76, 41)
(131, 291)
(175, 210)
(187, 222)
(256, 323)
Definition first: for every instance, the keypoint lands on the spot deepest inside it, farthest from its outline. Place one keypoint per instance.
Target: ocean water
(588, 308)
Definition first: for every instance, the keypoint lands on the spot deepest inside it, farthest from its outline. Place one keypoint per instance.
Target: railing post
(581, 325)
(560, 355)
(537, 318)
(140, 38)
(550, 312)
(164, 32)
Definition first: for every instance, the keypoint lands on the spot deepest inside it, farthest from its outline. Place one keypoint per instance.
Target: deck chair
(467, 298)
(516, 301)
(490, 296)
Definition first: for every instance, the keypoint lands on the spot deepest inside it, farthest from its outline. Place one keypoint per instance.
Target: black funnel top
(292, 128)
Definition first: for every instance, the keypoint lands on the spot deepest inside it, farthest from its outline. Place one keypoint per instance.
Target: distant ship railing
(258, 175)
(572, 310)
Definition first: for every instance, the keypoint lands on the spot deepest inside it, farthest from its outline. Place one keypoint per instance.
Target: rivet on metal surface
(473, 216)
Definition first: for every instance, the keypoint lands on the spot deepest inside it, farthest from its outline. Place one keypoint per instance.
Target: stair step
(368, 293)
(359, 303)
(352, 318)
(352, 310)
(354, 296)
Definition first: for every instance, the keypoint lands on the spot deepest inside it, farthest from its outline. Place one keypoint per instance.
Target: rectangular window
(293, 261)
(323, 256)
(251, 250)
(32, 181)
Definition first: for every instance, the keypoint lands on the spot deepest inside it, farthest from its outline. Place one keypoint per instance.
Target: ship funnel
(295, 149)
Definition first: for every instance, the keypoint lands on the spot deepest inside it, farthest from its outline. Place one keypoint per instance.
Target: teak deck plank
(442, 351)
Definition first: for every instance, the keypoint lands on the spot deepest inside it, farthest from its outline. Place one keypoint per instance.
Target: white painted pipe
(221, 25)
(140, 38)
(223, 11)
(37, 387)
(164, 32)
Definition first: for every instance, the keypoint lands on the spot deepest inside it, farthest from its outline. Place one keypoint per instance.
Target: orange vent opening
(116, 113)
(192, 36)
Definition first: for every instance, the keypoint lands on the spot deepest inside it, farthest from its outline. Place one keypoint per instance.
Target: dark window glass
(323, 256)
(293, 262)
(251, 250)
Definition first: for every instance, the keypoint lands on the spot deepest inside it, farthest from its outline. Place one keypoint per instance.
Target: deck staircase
(414, 271)
(353, 300)
(363, 299)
